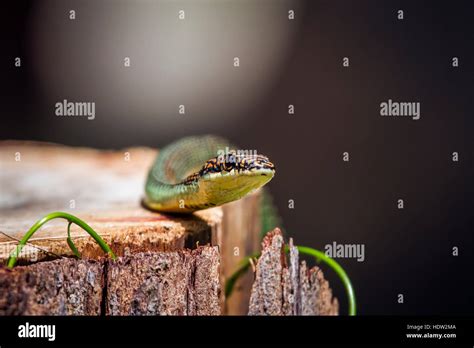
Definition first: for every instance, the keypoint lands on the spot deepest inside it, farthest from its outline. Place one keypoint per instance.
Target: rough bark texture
(281, 289)
(60, 287)
(154, 283)
(177, 283)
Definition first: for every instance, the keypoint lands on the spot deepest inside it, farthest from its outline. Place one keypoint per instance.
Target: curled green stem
(71, 219)
(336, 267)
(71, 244)
(319, 255)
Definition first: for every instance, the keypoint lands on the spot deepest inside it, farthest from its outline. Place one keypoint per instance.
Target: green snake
(200, 172)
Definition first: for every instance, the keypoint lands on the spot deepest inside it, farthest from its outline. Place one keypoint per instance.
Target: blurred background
(190, 62)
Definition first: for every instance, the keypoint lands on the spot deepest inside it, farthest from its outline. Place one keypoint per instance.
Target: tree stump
(105, 188)
(167, 264)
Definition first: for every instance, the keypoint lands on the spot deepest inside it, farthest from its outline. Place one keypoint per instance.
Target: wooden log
(286, 287)
(100, 187)
(184, 282)
(105, 188)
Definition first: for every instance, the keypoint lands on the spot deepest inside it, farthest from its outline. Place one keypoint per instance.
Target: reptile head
(237, 163)
(227, 178)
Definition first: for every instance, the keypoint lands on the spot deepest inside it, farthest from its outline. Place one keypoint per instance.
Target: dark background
(407, 251)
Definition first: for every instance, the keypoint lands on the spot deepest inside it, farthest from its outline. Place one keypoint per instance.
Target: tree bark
(60, 287)
(284, 286)
(175, 283)
(184, 282)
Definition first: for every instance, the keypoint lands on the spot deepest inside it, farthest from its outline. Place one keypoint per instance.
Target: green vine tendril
(318, 255)
(71, 219)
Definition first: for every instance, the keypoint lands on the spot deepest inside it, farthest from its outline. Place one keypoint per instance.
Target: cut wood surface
(105, 189)
(284, 286)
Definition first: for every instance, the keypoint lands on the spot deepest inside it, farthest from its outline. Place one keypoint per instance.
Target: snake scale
(196, 173)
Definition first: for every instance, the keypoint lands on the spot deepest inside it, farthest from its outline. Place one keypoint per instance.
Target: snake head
(239, 163)
(227, 178)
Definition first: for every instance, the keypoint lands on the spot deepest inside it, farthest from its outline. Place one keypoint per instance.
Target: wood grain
(284, 286)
